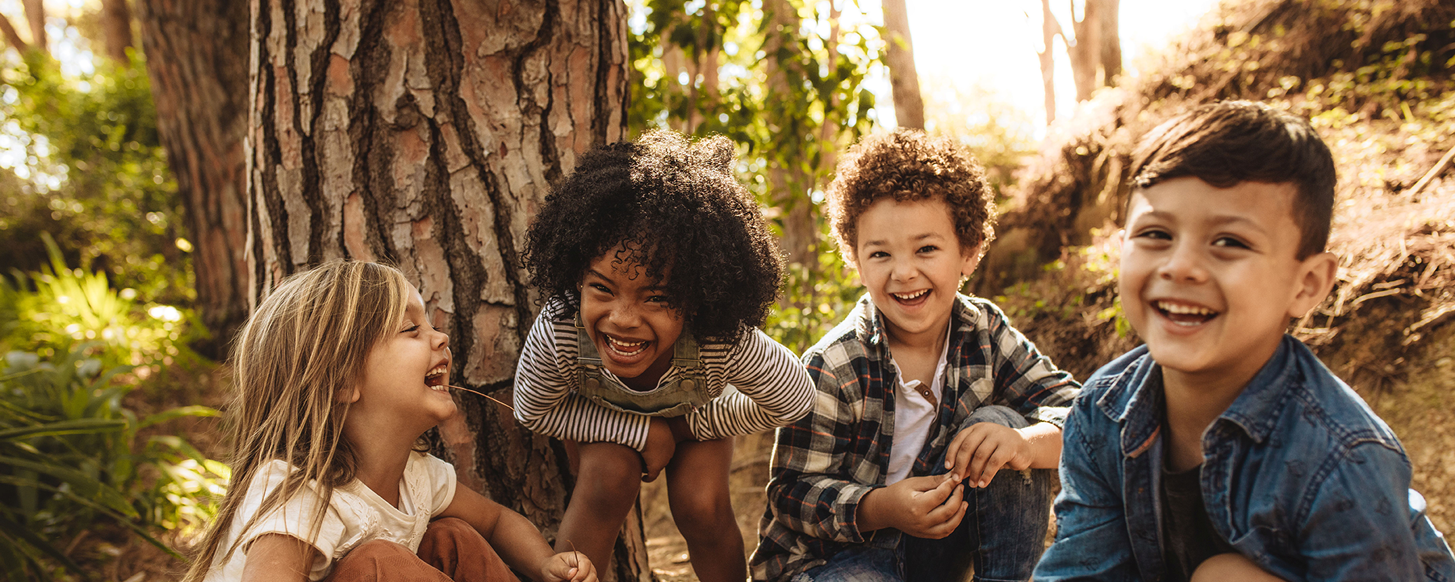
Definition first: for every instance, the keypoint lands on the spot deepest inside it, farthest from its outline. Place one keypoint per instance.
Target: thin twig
(575, 561)
(492, 398)
(1430, 175)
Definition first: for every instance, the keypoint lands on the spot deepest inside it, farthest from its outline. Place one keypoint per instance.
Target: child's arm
(773, 389)
(545, 403)
(1024, 378)
(1359, 524)
(1092, 539)
(518, 541)
(278, 557)
(808, 491)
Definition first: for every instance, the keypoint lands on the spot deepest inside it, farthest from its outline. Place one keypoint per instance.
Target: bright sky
(993, 44)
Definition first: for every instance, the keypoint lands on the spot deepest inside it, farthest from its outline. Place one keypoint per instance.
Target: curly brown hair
(907, 165)
(681, 213)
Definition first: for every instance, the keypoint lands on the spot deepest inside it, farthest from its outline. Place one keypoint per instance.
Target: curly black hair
(680, 211)
(908, 165)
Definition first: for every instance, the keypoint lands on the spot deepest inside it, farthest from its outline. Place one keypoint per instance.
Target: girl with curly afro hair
(657, 267)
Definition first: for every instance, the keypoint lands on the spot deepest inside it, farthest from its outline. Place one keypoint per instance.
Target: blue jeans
(1001, 535)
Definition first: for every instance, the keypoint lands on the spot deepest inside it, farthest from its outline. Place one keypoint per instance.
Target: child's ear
(346, 395)
(970, 259)
(1315, 278)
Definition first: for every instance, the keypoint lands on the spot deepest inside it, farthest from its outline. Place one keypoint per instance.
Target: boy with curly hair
(657, 268)
(925, 395)
(1223, 449)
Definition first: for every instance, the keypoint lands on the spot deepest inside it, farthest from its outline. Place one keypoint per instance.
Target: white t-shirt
(913, 416)
(355, 515)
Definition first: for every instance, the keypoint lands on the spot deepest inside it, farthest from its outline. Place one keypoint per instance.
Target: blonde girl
(338, 374)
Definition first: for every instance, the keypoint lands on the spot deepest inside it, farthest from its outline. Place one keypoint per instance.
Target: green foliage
(71, 455)
(92, 172)
(814, 300)
(55, 309)
(70, 452)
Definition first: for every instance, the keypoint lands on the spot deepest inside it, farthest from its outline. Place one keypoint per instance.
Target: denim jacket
(1300, 476)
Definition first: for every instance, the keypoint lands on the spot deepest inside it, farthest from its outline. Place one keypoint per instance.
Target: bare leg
(1231, 567)
(607, 482)
(697, 490)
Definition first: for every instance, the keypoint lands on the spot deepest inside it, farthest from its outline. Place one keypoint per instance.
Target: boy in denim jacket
(931, 440)
(1222, 449)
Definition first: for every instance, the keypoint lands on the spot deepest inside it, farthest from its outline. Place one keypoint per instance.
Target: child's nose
(625, 316)
(1185, 264)
(903, 271)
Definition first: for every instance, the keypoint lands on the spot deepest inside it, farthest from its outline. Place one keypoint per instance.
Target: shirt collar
(1135, 400)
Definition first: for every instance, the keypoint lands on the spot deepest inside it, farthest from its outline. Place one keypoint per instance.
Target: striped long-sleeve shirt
(772, 388)
(826, 462)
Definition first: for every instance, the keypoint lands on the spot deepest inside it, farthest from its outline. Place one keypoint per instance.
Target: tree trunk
(12, 36)
(1049, 29)
(197, 61)
(1111, 42)
(909, 108)
(425, 133)
(789, 184)
(116, 22)
(35, 16)
(1085, 53)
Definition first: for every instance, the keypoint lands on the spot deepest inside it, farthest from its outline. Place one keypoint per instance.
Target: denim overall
(686, 391)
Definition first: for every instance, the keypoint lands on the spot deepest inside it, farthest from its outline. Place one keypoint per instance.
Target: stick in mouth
(492, 398)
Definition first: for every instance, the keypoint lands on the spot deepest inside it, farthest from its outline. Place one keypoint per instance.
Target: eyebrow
(1219, 220)
(916, 238)
(598, 275)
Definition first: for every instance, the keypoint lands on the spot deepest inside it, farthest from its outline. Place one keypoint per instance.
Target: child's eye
(1153, 233)
(599, 288)
(410, 329)
(657, 299)
(878, 255)
(928, 249)
(1228, 241)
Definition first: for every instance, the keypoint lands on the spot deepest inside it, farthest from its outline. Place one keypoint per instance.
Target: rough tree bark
(909, 107)
(425, 133)
(116, 23)
(197, 61)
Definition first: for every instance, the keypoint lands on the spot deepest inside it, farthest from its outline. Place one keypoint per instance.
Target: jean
(1001, 536)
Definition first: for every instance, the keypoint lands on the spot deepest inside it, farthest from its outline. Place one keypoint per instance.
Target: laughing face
(406, 377)
(1210, 276)
(909, 257)
(629, 319)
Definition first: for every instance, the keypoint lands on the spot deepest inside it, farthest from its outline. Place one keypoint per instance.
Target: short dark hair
(681, 212)
(908, 165)
(1230, 142)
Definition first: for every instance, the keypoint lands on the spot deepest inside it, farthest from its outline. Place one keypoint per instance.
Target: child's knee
(997, 414)
(450, 532)
(701, 512)
(368, 559)
(609, 472)
(1231, 566)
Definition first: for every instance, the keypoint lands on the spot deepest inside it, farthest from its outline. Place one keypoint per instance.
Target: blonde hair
(304, 344)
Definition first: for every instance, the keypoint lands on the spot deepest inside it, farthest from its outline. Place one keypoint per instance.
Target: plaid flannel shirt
(826, 462)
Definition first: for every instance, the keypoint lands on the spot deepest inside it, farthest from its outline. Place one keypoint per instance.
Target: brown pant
(451, 550)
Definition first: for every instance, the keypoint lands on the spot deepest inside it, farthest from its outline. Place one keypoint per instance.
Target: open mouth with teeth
(626, 348)
(1183, 314)
(912, 297)
(438, 378)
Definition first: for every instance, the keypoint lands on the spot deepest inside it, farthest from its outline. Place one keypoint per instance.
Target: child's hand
(661, 445)
(925, 507)
(568, 566)
(984, 448)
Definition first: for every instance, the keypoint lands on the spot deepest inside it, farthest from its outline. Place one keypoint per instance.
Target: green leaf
(83, 426)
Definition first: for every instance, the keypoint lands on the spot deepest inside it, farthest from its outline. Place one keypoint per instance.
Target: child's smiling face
(1210, 276)
(910, 258)
(406, 371)
(628, 318)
